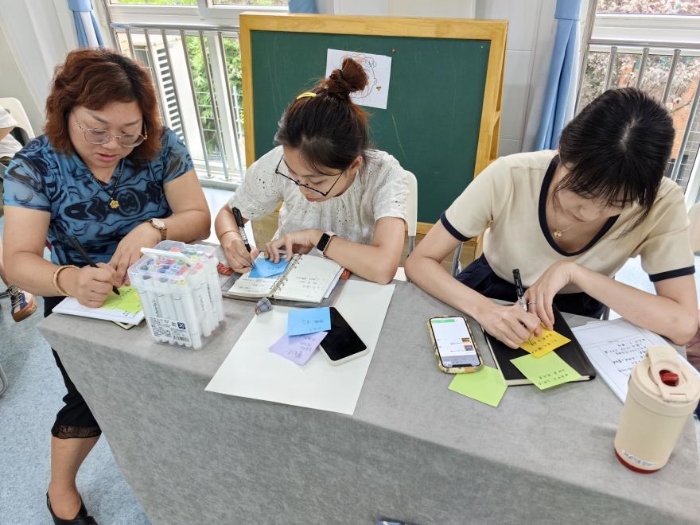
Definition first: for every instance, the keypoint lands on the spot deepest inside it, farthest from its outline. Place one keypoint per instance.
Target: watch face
(322, 242)
(158, 223)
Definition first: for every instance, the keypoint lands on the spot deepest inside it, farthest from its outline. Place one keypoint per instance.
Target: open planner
(307, 279)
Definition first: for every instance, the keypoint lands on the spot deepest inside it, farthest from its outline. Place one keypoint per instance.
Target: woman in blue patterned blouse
(109, 174)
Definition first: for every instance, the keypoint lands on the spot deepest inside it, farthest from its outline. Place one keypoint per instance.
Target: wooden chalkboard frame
(493, 31)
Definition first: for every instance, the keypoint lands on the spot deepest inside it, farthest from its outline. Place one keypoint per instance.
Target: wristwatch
(324, 241)
(159, 224)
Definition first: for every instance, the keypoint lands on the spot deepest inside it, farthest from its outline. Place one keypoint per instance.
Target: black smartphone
(454, 346)
(342, 343)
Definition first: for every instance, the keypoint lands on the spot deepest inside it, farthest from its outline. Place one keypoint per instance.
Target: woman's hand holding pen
(129, 250)
(236, 252)
(540, 295)
(510, 324)
(89, 285)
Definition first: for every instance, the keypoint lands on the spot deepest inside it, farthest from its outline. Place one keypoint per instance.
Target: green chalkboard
(436, 100)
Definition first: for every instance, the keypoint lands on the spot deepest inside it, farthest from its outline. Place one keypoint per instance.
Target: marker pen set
(178, 286)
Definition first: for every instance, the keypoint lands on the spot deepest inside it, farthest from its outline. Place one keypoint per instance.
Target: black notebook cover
(571, 352)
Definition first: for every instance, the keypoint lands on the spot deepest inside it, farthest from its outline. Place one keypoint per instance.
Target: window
(192, 50)
(653, 45)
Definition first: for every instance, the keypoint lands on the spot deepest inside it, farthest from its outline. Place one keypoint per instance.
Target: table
(413, 450)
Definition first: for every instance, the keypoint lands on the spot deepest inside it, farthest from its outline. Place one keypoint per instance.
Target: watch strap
(324, 241)
(162, 229)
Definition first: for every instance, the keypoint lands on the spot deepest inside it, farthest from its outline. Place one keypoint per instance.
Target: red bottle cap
(669, 378)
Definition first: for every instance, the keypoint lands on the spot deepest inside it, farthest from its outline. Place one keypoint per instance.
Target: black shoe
(82, 517)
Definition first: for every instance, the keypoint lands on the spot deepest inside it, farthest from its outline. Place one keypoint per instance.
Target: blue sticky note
(266, 268)
(308, 321)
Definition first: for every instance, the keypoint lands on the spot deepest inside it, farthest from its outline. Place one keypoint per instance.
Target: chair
(24, 128)
(411, 220)
(456, 264)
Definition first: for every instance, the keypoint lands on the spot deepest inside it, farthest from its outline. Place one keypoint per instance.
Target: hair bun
(351, 77)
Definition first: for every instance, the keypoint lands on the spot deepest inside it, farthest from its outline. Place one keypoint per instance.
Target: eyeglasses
(100, 136)
(302, 185)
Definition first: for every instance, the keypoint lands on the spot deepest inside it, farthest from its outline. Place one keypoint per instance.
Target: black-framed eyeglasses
(100, 136)
(302, 185)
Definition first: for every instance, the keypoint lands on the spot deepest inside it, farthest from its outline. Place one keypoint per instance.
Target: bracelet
(230, 231)
(56, 273)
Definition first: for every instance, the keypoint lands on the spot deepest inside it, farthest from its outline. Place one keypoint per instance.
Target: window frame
(203, 14)
(203, 17)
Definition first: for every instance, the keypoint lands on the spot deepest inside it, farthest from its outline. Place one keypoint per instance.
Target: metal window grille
(669, 71)
(197, 76)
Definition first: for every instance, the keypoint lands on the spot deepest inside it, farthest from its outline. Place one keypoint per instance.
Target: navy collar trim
(542, 212)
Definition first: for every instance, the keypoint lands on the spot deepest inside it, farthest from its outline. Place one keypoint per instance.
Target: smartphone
(454, 345)
(342, 343)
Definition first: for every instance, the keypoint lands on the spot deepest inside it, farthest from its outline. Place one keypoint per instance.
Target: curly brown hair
(94, 78)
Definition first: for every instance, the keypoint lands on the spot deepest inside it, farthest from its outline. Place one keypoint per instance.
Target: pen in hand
(241, 229)
(519, 291)
(519, 288)
(79, 248)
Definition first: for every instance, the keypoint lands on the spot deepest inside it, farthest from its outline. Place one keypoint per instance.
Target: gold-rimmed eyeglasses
(100, 136)
(302, 185)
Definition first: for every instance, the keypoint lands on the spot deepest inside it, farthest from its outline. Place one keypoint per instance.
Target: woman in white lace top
(339, 196)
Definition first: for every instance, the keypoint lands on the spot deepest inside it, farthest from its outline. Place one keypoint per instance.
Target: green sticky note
(486, 385)
(127, 301)
(546, 371)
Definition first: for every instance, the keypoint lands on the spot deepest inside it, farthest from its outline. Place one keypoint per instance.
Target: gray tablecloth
(413, 449)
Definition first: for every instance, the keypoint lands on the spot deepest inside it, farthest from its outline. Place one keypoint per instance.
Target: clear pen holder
(178, 287)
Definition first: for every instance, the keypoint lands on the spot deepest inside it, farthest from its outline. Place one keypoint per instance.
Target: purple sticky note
(298, 348)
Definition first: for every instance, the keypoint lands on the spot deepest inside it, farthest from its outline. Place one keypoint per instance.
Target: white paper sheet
(614, 347)
(378, 69)
(252, 371)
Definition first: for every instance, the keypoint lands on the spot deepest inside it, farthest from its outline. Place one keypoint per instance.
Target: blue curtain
(85, 23)
(302, 6)
(558, 98)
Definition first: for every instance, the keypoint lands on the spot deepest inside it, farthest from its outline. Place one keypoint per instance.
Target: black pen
(241, 228)
(519, 288)
(79, 248)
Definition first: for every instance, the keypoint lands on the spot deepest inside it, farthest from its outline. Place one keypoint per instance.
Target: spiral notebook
(307, 279)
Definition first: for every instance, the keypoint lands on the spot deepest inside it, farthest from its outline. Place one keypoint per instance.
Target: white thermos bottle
(662, 393)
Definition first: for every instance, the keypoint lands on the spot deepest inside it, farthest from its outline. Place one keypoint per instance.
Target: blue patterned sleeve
(25, 185)
(174, 156)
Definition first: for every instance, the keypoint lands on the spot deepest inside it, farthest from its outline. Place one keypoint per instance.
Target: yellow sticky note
(486, 385)
(545, 343)
(546, 371)
(127, 301)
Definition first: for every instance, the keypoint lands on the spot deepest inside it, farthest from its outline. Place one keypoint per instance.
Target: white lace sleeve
(261, 190)
(390, 195)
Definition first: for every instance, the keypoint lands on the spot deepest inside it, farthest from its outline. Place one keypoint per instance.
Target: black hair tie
(340, 81)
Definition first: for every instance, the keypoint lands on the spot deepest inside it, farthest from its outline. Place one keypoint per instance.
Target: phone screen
(454, 343)
(341, 341)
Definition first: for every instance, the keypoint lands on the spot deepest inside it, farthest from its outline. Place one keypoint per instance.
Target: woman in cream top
(568, 220)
